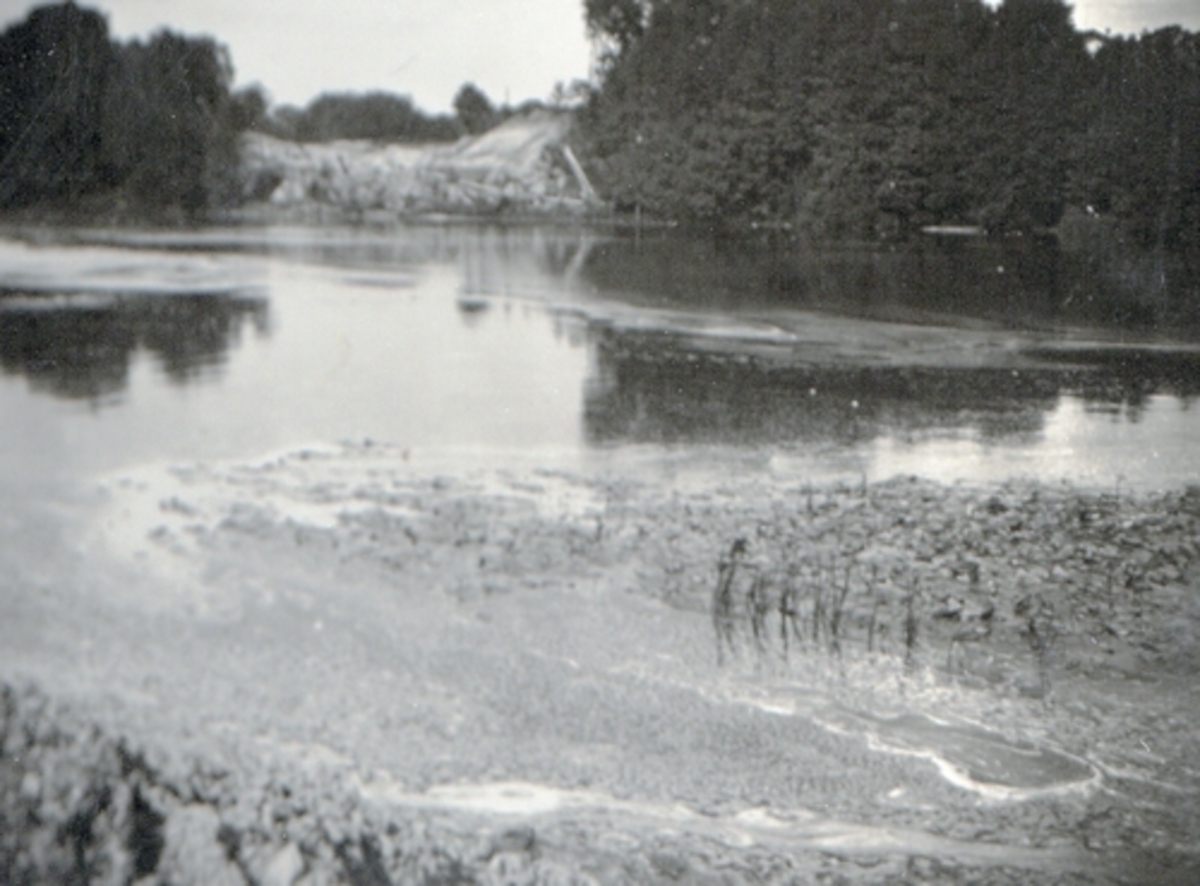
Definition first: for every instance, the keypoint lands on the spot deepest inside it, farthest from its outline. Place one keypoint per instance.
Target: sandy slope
(522, 166)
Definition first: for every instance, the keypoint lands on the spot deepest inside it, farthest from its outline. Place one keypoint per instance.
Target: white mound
(523, 165)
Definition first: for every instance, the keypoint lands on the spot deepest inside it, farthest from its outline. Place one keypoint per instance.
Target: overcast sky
(512, 49)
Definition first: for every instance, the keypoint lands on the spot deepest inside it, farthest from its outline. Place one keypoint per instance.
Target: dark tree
(621, 21)
(1139, 158)
(53, 71)
(377, 116)
(880, 116)
(81, 115)
(1035, 62)
(474, 109)
(249, 108)
(170, 122)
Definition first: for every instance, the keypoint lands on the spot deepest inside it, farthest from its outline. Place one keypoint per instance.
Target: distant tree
(572, 95)
(249, 108)
(474, 109)
(283, 121)
(378, 116)
(374, 116)
(1033, 62)
(874, 116)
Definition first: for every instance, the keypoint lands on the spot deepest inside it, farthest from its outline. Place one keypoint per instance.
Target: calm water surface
(956, 360)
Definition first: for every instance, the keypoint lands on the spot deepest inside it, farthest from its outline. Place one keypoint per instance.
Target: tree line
(380, 116)
(82, 115)
(375, 116)
(152, 128)
(876, 116)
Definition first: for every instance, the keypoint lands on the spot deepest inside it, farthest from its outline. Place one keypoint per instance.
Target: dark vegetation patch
(876, 118)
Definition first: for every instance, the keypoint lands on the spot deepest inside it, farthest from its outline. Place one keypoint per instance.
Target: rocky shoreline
(1070, 615)
(78, 805)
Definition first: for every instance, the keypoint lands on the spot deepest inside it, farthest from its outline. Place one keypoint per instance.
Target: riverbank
(348, 665)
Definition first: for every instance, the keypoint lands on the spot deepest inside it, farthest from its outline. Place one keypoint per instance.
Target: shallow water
(121, 347)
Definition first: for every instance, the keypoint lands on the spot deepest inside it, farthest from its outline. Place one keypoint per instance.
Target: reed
(724, 617)
(873, 593)
(838, 607)
(910, 625)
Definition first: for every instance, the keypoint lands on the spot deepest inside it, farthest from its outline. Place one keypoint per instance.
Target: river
(953, 360)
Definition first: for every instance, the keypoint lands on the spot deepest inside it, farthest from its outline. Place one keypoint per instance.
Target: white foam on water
(990, 791)
(125, 271)
(514, 798)
(1124, 773)
(151, 503)
(797, 828)
(818, 708)
(160, 516)
(85, 301)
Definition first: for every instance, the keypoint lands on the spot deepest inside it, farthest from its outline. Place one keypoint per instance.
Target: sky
(512, 49)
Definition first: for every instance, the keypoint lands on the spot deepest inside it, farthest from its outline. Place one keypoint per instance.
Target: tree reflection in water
(648, 387)
(81, 348)
(1025, 283)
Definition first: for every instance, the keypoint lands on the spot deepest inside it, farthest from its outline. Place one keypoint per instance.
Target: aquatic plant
(724, 618)
(1041, 633)
(968, 584)
(829, 601)
(910, 627)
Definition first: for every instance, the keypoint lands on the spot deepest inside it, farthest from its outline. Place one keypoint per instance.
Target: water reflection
(1022, 283)
(576, 341)
(653, 387)
(81, 347)
(491, 259)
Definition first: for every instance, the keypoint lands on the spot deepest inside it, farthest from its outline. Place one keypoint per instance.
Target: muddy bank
(1070, 578)
(345, 665)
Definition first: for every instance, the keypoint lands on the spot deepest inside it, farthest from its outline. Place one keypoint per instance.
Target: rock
(320, 877)
(510, 869)
(951, 608)
(284, 868)
(192, 854)
(669, 864)
(979, 611)
(517, 839)
(551, 874)
(31, 786)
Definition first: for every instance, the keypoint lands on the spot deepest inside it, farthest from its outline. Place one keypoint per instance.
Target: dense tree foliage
(81, 114)
(151, 125)
(1139, 156)
(53, 70)
(377, 116)
(474, 109)
(875, 116)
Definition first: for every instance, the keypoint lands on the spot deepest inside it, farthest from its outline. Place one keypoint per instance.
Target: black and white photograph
(599, 442)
